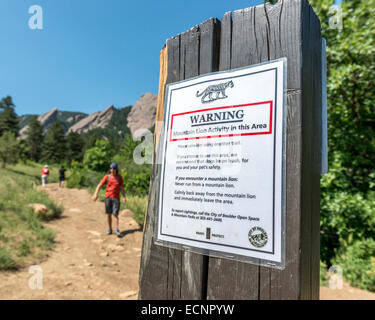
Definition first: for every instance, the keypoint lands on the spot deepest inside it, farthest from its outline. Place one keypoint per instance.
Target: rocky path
(85, 263)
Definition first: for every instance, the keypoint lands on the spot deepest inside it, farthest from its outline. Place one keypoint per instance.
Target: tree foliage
(98, 158)
(347, 191)
(54, 146)
(9, 148)
(116, 131)
(8, 117)
(75, 146)
(34, 138)
(358, 263)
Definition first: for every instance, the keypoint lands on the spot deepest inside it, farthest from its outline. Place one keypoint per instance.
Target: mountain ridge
(127, 119)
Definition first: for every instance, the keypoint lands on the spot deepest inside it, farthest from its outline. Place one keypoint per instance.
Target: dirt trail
(88, 264)
(346, 293)
(85, 263)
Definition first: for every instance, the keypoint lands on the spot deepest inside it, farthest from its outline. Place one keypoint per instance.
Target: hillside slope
(110, 123)
(86, 263)
(66, 118)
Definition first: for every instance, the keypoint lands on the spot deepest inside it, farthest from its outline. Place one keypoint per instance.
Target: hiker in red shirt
(115, 185)
(45, 173)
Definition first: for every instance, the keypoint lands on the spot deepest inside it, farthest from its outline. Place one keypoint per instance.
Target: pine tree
(9, 148)
(8, 117)
(75, 146)
(35, 138)
(90, 139)
(54, 146)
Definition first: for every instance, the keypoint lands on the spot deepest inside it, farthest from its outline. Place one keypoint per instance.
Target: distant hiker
(62, 177)
(45, 173)
(115, 185)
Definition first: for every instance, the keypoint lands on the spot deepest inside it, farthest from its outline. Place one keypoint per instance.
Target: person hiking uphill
(62, 177)
(115, 185)
(45, 173)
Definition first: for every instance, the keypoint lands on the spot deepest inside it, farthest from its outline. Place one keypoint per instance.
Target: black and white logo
(215, 92)
(258, 237)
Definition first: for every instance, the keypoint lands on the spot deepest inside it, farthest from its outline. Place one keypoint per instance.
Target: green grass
(138, 206)
(23, 238)
(6, 260)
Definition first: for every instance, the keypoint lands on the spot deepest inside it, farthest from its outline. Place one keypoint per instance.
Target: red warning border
(225, 135)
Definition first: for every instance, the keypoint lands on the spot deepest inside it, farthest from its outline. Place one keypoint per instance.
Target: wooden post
(180, 275)
(288, 29)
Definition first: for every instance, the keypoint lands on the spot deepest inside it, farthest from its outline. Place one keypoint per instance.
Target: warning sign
(222, 173)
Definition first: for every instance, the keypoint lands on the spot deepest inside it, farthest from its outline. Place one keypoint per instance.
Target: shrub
(98, 157)
(76, 179)
(83, 178)
(46, 238)
(138, 206)
(6, 260)
(346, 216)
(358, 264)
(138, 183)
(323, 274)
(24, 249)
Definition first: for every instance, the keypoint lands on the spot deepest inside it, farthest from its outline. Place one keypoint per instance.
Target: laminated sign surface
(222, 151)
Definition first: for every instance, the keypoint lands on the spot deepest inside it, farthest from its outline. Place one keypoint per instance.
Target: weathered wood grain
(311, 156)
(260, 34)
(226, 42)
(187, 280)
(289, 29)
(228, 279)
(189, 54)
(154, 273)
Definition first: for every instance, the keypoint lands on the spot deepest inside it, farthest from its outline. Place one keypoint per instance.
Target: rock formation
(45, 119)
(141, 116)
(143, 113)
(94, 120)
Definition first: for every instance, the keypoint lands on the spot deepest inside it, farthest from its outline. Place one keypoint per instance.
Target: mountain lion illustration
(217, 89)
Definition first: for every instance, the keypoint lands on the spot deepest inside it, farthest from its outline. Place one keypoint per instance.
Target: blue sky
(92, 53)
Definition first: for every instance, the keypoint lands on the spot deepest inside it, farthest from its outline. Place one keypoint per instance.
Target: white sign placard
(222, 180)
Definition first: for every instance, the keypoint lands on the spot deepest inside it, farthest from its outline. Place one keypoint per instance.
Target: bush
(24, 249)
(346, 215)
(358, 264)
(137, 183)
(6, 260)
(98, 157)
(46, 238)
(136, 177)
(138, 206)
(81, 177)
(323, 274)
